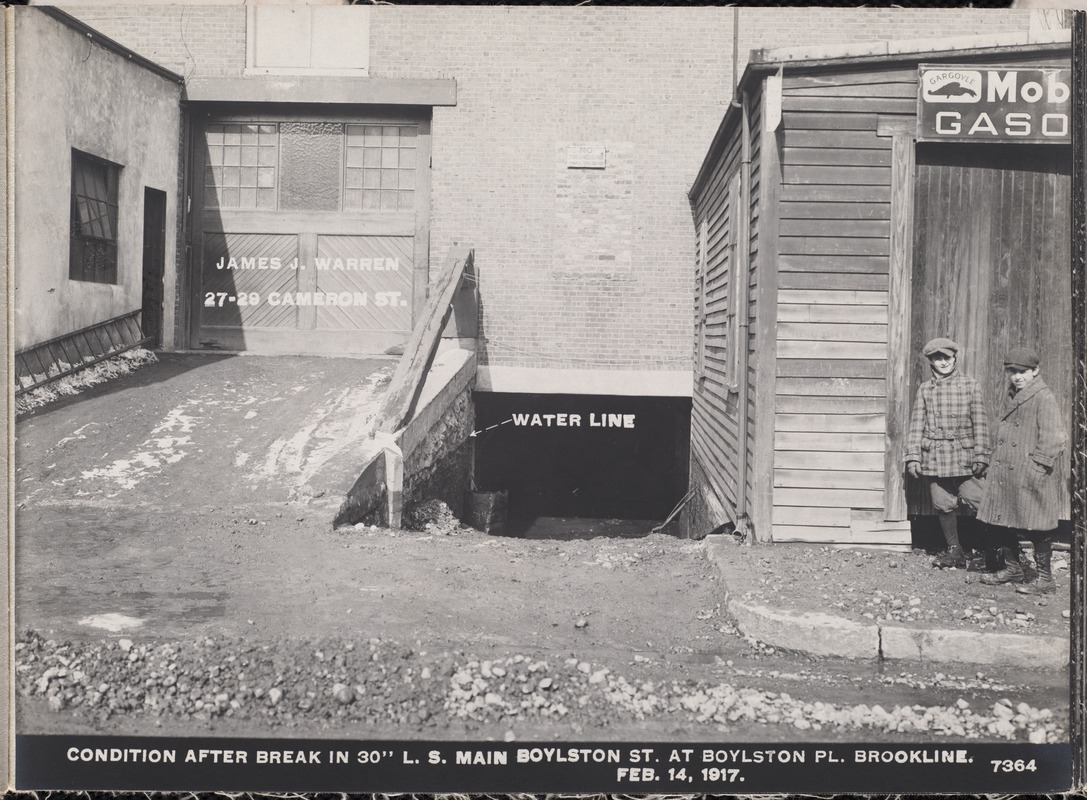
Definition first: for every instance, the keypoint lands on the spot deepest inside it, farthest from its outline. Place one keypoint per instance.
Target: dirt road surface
(176, 573)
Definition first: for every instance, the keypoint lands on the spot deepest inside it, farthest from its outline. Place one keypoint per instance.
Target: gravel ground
(385, 685)
(902, 588)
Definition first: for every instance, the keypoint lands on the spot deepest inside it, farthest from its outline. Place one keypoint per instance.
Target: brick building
(558, 143)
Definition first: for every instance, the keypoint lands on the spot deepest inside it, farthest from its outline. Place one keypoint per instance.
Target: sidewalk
(870, 604)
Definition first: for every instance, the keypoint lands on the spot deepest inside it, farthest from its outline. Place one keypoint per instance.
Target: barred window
(379, 171)
(92, 252)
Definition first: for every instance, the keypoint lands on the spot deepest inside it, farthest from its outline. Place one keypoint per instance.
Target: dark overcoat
(1021, 489)
(949, 427)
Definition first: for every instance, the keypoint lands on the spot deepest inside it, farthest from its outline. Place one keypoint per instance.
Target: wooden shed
(855, 202)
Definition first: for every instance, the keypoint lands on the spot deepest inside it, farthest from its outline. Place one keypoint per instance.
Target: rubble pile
(433, 517)
(380, 681)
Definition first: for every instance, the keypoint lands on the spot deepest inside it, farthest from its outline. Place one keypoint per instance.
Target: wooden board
(820, 517)
(844, 228)
(832, 246)
(846, 105)
(823, 404)
(794, 210)
(835, 298)
(828, 460)
(407, 381)
(833, 368)
(835, 193)
(898, 539)
(829, 478)
(830, 423)
(820, 313)
(838, 81)
(829, 498)
(836, 156)
(865, 139)
(883, 89)
(842, 442)
(841, 175)
(831, 332)
(821, 385)
(829, 121)
(877, 284)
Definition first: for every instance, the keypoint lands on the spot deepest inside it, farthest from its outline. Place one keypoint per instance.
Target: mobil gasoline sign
(994, 104)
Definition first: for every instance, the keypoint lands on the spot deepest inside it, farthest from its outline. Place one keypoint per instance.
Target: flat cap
(940, 345)
(1022, 357)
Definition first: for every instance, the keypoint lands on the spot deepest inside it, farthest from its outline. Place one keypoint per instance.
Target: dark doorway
(154, 263)
(582, 456)
(991, 255)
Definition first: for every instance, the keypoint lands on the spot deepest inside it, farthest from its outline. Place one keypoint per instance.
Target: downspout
(743, 268)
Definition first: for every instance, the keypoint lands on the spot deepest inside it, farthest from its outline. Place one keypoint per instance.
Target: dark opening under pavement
(612, 466)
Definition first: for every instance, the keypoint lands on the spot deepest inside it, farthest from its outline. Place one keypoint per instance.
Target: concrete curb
(822, 634)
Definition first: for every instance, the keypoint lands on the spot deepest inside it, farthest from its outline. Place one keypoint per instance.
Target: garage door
(311, 233)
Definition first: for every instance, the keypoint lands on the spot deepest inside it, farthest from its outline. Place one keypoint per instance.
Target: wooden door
(312, 232)
(154, 263)
(992, 261)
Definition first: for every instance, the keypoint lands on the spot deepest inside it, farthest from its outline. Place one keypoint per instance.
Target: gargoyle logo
(951, 86)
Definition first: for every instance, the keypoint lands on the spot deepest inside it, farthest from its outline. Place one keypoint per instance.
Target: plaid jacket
(949, 428)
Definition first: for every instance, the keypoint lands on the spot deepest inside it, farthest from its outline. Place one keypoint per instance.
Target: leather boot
(1043, 557)
(1012, 571)
(952, 557)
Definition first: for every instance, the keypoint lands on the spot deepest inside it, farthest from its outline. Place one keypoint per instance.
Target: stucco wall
(71, 93)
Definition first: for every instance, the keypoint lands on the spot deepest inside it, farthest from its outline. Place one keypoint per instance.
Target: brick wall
(648, 84)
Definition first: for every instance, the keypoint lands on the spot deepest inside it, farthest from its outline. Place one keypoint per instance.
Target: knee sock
(949, 524)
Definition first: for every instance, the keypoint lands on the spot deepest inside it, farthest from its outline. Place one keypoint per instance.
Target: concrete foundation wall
(73, 93)
(441, 467)
(436, 443)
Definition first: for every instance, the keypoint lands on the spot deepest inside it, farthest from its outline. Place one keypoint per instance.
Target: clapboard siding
(820, 385)
(858, 140)
(825, 312)
(833, 298)
(829, 498)
(829, 332)
(829, 460)
(789, 404)
(829, 479)
(832, 331)
(836, 174)
(720, 414)
(837, 228)
(832, 280)
(794, 211)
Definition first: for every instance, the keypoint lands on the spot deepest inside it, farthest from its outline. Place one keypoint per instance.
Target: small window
(379, 171)
(242, 164)
(93, 242)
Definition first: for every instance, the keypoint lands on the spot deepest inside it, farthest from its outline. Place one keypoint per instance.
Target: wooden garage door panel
(242, 285)
(369, 269)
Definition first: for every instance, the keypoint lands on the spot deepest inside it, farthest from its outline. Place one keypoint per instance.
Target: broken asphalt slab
(821, 634)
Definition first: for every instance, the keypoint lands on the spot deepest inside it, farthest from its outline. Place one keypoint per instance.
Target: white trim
(904, 47)
(628, 383)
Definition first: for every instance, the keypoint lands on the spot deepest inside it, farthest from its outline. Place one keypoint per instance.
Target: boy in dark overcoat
(1021, 493)
(948, 440)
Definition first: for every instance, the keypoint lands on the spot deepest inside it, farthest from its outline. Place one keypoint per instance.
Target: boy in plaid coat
(948, 442)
